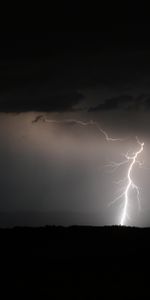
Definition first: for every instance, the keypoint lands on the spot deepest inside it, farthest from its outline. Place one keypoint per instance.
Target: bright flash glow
(131, 160)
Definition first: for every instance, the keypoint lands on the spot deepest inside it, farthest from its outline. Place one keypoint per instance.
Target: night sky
(100, 73)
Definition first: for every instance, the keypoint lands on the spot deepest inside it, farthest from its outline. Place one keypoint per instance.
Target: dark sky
(49, 68)
(86, 64)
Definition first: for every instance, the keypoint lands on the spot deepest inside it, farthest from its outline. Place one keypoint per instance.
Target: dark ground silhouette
(75, 263)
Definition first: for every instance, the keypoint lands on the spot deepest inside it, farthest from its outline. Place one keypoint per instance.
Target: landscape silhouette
(76, 262)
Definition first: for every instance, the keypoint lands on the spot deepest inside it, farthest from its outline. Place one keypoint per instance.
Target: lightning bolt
(131, 160)
(130, 185)
(80, 123)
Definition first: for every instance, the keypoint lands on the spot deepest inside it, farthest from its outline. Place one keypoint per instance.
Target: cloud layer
(123, 102)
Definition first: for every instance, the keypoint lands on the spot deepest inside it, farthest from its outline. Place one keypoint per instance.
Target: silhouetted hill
(76, 262)
(38, 218)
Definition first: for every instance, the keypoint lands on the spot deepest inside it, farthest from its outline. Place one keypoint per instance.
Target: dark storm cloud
(147, 103)
(36, 73)
(125, 102)
(45, 72)
(39, 101)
